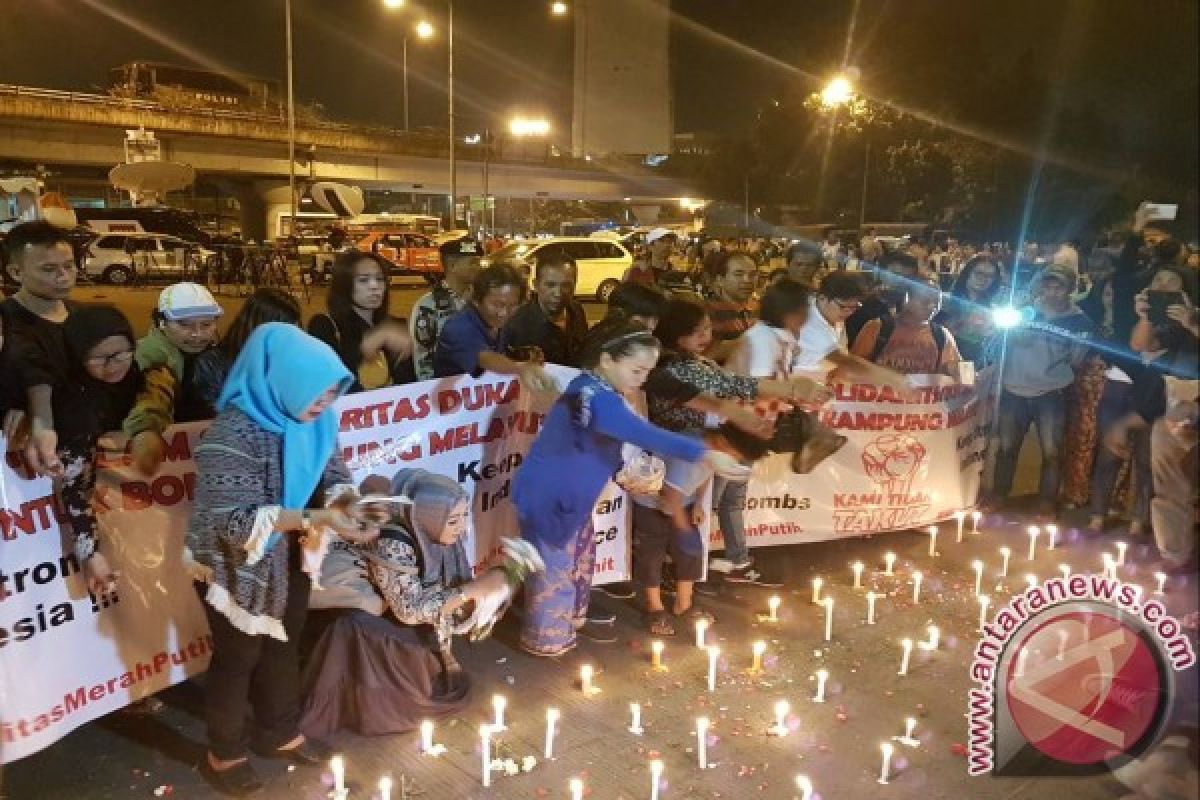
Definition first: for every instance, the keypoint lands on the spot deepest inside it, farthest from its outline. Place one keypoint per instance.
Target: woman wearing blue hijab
(266, 459)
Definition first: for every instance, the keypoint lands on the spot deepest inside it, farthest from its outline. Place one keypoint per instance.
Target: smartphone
(1165, 211)
(1159, 302)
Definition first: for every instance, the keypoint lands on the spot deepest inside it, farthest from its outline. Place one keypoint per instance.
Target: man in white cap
(661, 242)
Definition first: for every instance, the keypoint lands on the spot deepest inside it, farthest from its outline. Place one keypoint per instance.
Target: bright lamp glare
(424, 29)
(393, 4)
(558, 8)
(1006, 317)
(521, 126)
(838, 92)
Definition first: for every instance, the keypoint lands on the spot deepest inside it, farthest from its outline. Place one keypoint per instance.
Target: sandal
(658, 623)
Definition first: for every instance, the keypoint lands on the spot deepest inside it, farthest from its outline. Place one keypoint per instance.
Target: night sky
(1134, 62)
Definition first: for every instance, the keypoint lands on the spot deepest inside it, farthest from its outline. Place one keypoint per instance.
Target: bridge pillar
(646, 214)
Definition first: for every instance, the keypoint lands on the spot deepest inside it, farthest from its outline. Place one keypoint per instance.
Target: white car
(601, 263)
(124, 258)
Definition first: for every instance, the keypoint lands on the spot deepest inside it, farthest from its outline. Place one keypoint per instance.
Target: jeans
(1114, 404)
(1049, 413)
(255, 672)
(729, 498)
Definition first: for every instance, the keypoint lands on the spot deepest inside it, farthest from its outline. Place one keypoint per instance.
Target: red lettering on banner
(179, 448)
(497, 428)
(33, 516)
(870, 393)
(165, 490)
(479, 397)
(883, 421)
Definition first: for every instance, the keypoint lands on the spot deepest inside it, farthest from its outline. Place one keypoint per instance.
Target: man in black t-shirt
(552, 320)
(44, 265)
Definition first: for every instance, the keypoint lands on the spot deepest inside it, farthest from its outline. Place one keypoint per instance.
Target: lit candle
(781, 712)
(656, 771)
(773, 603)
(975, 517)
(1121, 548)
(828, 619)
(889, 561)
(576, 788)
(870, 608)
(498, 706)
(701, 627)
(427, 736)
(656, 651)
(822, 676)
(551, 724)
(1063, 638)
(759, 649)
(1033, 531)
(910, 725)
(917, 578)
(933, 532)
(1110, 565)
(805, 786)
(977, 565)
(1022, 657)
(702, 741)
(887, 750)
(385, 788)
(1065, 569)
(907, 644)
(1005, 555)
(857, 568)
(337, 765)
(959, 517)
(713, 653)
(635, 722)
(585, 679)
(485, 752)
(1052, 531)
(984, 602)
(1031, 580)
(1160, 579)
(817, 583)
(935, 638)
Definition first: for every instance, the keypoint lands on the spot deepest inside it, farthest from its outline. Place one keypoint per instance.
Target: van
(600, 263)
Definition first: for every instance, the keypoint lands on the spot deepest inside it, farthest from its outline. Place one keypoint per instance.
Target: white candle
(1052, 532)
(1121, 548)
(907, 644)
(485, 752)
(1031, 580)
(822, 676)
(910, 725)
(1160, 579)
(385, 788)
(656, 651)
(427, 736)
(887, 750)
(1110, 565)
(935, 638)
(817, 583)
(635, 722)
(984, 602)
(781, 712)
(933, 532)
(576, 788)
(773, 603)
(828, 619)
(1033, 531)
(759, 649)
(1063, 638)
(889, 561)
(337, 765)
(1022, 657)
(498, 706)
(917, 578)
(551, 725)
(585, 678)
(1005, 555)
(805, 786)
(713, 653)
(870, 608)
(702, 741)
(701, 627)
(656, 771)
(977, 565)
(857, 568)
(959, 517)
(1065, 569)
(975, 517)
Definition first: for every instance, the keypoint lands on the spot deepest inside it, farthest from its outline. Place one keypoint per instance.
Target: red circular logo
(1083, 687)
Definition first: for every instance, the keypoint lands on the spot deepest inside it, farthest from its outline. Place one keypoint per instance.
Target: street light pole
(450, 92)
(291, 114)
(405, 50)
(862, 205)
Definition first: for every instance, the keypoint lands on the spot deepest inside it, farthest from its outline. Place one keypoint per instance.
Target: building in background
(622, 98)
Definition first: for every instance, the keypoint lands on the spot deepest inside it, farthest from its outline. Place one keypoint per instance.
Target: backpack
(887, 326)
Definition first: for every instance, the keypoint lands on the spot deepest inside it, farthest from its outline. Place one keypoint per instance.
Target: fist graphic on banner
(892, 461)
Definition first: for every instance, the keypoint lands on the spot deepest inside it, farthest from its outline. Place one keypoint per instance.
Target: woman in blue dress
(577, 452)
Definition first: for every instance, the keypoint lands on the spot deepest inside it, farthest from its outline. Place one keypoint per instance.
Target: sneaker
(722, 565)
(750, 576)
(618, 591)
(604, 634)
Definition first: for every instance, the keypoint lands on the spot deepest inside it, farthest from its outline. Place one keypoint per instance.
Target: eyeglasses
(120, 359)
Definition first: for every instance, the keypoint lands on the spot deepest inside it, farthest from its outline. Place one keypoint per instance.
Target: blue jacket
(575, 455)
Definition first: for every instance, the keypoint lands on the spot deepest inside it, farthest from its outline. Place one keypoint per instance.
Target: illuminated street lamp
(838, 92)
(424, 29)
(393, 5)
(529, 126)
(559, 9)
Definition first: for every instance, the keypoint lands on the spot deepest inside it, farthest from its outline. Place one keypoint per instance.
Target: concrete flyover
(47, 126)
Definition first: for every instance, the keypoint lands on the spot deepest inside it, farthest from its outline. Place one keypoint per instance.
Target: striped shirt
(729, 319)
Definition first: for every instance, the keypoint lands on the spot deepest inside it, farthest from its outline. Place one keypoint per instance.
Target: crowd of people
(682, 385)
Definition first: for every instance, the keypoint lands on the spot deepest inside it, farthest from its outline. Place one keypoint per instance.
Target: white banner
(906, 465)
